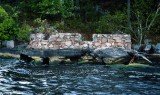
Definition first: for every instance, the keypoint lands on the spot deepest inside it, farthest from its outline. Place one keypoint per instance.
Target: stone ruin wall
(74, 40)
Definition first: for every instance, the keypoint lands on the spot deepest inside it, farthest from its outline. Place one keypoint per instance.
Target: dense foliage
(8, 27)
(18, 18)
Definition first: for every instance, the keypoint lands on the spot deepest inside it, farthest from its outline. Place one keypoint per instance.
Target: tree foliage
(8, 27)
(85, 16)
(111, 23)
(144, 15)
(48, 8)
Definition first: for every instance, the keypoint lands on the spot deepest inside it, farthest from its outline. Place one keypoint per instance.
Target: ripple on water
(20, 78)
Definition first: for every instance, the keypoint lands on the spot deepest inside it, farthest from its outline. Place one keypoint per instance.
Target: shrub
(8, 27)
(24, 32)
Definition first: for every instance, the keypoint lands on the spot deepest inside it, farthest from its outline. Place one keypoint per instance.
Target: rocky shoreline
(109, 48)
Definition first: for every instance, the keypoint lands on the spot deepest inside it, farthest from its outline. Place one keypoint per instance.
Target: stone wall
(74, 40)
(111, 40)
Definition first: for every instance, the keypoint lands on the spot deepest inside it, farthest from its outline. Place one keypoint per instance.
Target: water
(76, 79)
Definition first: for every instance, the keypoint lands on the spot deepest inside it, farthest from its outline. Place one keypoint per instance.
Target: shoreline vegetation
(139, 18)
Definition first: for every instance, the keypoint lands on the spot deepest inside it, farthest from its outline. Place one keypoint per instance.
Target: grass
(129, 66)
(8, 55)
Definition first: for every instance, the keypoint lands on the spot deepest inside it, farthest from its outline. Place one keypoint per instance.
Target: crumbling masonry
(74, 41)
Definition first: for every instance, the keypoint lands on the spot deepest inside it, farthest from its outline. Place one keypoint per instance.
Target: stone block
(55, 46)
(126, 36)
(61, 35)
(32, 37)
(10, 44)
(40, 35)
(68, 43)
(97, 44)
(59, 39)
(77, 45)
(50, 46)
(104, 46)
(108, 44)
(120, 44)
(104, 40)
(44, 42)
(128, 40)
(111, 40)
(74, 40)
(119, 40)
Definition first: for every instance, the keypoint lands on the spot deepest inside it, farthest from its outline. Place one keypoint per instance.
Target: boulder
(111, 55)
(157, 48)
(149, 49)
(136, 47)
(8, 44)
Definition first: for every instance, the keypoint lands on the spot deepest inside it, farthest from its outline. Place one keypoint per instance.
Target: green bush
(24, 32)
(8, 27)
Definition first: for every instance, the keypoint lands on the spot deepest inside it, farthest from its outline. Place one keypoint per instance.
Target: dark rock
(157, 48)
(112, 55)
(138, 47)
(75, 58)
(141, 48)
(110, 52)
(149, 49)
(26, 58)
(22, 46)
(45, 61)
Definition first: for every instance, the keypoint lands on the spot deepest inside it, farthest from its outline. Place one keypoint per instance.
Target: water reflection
(71, 79)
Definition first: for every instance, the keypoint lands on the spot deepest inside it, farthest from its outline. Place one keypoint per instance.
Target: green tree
(143, 18)
(8, 27)
(48, 8)
(24, 32)
(111, 23)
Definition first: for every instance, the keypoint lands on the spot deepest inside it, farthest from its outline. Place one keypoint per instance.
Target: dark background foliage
(83, 16)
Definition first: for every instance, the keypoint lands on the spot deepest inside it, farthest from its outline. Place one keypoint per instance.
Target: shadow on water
(17, 77)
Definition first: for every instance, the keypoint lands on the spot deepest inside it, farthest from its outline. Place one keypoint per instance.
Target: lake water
(76, 79)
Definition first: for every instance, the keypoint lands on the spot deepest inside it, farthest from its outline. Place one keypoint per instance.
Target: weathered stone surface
(157, 48)
(127, 40)
(108, 44)
(68, 43)
(116, 60)
(104, 40)
(97, 44)
(40, 36)
(110, 52)
(32, 37)
(112, 55)
(116, 40)
(74, 40)
(10, 44)
(149, 49)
